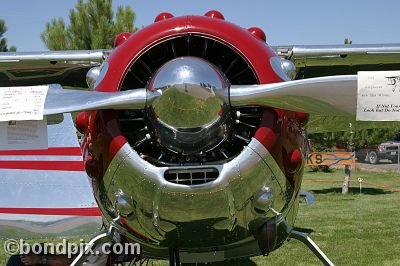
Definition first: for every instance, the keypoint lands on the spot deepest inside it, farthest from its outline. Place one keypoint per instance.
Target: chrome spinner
(191, 114)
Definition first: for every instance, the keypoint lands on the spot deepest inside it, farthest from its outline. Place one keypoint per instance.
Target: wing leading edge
(67, 68)
(328, 60)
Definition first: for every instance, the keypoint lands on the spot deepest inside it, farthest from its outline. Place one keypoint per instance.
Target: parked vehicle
(386, 150)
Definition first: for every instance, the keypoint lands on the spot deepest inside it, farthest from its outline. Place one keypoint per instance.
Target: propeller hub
(190, 115)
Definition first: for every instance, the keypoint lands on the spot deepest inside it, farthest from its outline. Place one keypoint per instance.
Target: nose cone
(193, 92)
(193, 102)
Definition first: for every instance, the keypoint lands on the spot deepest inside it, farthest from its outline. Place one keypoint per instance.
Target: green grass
(352, 229)
(320, 124)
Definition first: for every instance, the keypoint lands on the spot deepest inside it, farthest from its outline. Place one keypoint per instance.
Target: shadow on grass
(354, 191)
(239, 262)
(304, 230)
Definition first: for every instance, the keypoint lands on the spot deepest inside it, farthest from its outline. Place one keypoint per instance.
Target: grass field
(353, 229)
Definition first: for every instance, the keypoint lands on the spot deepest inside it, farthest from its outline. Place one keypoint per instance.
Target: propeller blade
(59, 100)
(331, 96)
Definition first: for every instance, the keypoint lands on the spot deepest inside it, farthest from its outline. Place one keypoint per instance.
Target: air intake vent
(195, 176)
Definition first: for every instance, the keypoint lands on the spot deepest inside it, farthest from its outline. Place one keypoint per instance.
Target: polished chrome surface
(289, 68)
(331, 96)
(318, 50)
(191, 112)
(264, 199)
(47, 189)
(61, 100)
(191, 176)
(277, 65)
(95, 257)
(304, 238)
(36, 68)
(73, 55)
(348, 54)
(224, 208)
(91, 76)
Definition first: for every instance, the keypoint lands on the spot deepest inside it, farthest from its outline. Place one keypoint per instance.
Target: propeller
(59, 100)
(331, 96)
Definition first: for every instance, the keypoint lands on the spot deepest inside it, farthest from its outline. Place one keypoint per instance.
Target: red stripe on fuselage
(44, 165)
(92, 211)
(59, 151)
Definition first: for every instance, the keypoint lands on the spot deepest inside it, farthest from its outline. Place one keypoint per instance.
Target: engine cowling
(238, 55)
(179, 158)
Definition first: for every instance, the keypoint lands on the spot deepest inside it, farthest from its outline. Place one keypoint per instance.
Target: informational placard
(22, 103)
(378, 96)
(23, 135)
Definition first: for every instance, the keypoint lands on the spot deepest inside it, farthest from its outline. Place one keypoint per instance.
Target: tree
(3, 41)
(348, 41)
(92, 26)
(56, 35)
(358, 138)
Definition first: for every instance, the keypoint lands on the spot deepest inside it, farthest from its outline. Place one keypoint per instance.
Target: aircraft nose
(191, 113)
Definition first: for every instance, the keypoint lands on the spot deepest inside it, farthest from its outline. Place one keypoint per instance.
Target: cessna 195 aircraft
(193, 138)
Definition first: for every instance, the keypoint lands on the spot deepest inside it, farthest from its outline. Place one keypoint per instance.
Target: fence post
(347, 174)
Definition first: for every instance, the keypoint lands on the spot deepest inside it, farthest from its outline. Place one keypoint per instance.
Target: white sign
(22, 103)
(378, 96)
(23, 135)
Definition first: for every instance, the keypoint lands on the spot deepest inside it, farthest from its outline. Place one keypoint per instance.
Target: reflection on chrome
(191, 113)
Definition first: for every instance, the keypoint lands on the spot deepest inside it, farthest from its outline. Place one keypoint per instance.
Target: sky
(284, 22)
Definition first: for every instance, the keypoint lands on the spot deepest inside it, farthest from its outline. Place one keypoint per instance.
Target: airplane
(193, 138)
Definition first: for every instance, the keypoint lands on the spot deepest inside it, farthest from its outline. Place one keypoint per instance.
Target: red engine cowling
(241, 54)
(244, 58)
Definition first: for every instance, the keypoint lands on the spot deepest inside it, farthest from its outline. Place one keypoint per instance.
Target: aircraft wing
(45, 193)
(67, 68)
(328, 60)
